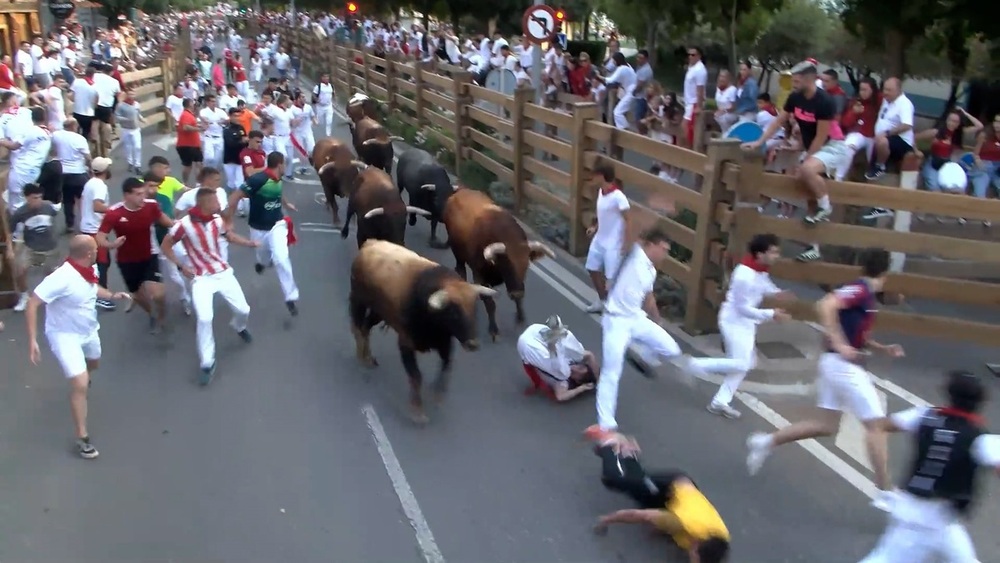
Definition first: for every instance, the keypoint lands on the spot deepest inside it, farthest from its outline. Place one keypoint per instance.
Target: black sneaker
(206, 375)
(85, 448)
(105, 305)
(259, 268)
(292, 308)
(876, 173)
(245, 335)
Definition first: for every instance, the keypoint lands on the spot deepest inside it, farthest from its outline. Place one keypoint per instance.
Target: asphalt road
(296, 453)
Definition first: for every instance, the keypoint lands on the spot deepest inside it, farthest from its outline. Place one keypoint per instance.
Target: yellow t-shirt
(698, 518)
(170, 187)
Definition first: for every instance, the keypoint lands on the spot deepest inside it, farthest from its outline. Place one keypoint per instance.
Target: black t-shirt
(807, 111)
(232, 143)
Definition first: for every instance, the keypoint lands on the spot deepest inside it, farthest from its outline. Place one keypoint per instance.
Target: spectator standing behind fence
(695, 80)
(946, 140)
(643, 77)
(987, 160)
(747, 91)
(623, 78)
(725, 101)
(893, 130)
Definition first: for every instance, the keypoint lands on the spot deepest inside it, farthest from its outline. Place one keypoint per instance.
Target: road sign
(539, 24)
(499, 80)
(745, 132)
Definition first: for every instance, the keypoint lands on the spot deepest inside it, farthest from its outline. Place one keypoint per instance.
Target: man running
(132, 221)
(843, 384)
(93, 205)
(322, 98)
(951, 446)
(201, 232)
(253, 160)
(631, 315)
(269, 226)
(738, 319)
(189, 141)
(234, 140)
(70, 294)
(669, 501)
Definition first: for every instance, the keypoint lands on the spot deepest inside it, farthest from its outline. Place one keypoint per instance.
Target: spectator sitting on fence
(986, 171)
(725, 101)
(555, 361)
(946, 141)
(664, 117)
(893, 130)
(858, 123)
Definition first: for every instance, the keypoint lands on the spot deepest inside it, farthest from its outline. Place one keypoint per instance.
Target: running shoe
(206, 375)
(106, 305)
(821, 216)
(292, 308)
(885, 500)
(595, 433)
(723, 410)
(759, 446)
(245, 335)
(85, 448)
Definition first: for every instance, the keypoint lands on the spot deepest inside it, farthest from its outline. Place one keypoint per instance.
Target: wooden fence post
(745, 204)
(349, 72)
(581, 192)
(700, 315)
(366, 64)
(167, 75)
(522, 96)
(418, 81)
(460, 83)
(391, 60)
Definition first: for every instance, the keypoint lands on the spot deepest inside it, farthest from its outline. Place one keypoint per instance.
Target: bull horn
(417, 210)
(372, 141)
(483, 290)
(358, 164)
(396, 138)
(324, 167)
(438, 300)
(490, 252)
(375, 212)
(430, 187)
(540, 247)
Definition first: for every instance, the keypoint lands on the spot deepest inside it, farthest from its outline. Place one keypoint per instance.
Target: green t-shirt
(264, 192)
(166, 194)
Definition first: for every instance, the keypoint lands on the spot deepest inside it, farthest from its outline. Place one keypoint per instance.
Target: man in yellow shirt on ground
(668, 501)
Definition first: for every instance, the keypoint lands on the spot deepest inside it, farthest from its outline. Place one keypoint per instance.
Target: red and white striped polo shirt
(202, 242)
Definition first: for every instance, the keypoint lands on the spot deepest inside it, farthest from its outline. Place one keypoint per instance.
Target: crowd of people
(239, 147)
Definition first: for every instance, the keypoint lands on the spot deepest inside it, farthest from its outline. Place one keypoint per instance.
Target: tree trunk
(652, 29)
(586, 25)
(958, 60)
(895, 54)
(491, 26)
(732, 37)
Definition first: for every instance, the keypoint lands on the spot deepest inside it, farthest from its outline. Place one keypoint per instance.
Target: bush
(595, 49)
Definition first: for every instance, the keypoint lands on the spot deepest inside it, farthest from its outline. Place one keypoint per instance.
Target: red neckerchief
(87, 274)
(13, 110)
(971, 417)
(292, 239)
(272, 175)
(197, 215)
(769, 108)
(89, 80)
(754, 265)
(610, 188)
(836, 90)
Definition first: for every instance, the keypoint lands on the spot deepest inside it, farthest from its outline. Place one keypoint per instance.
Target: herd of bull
(427, 304)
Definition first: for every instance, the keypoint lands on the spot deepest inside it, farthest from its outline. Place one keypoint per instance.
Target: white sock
(824, 203)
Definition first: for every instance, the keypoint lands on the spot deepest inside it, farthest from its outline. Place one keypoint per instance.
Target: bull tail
(375, 212)
(490, 252)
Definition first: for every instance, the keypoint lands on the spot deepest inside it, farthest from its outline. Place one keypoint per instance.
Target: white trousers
(741, 357)
(234, 176)
(212, 151)
(283, 144)
(324, 114)
(304, 142)
(273, 249)
(132, 144)
(903, 542)
(619, 332)
(621, 109)
(173, 274)
(203, 291)
(243, 88)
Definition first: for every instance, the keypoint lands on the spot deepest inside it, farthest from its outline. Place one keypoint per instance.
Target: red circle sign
(539, 24)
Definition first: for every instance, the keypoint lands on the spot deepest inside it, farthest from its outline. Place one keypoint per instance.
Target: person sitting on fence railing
(986, 172)
(946, 143)
(665, 116)
(893, 129)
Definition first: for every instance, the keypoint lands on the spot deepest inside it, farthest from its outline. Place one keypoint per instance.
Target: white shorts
(73, 351)
(600, 259)
(833, 155)
(688, 112)
(846, 387)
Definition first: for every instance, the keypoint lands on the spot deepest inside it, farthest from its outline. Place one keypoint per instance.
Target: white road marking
(307, 181)
(425, 538)
(851, 437)
(165, 143)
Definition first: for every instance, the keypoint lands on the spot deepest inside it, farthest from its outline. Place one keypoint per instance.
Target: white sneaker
(595, 307)
(22, 303)
(885, 500)
(723, 410)
(759, 446)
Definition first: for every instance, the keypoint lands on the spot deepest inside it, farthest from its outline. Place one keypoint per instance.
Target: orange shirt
(188, 138)
(246, 118)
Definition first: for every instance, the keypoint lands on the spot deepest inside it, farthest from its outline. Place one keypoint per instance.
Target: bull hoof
(494, 335)
(418, 416)
(437, 396)
(435, 243)
(369, 362)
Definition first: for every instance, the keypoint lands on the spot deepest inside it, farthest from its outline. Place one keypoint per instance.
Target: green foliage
(800, 28)
(595, 49)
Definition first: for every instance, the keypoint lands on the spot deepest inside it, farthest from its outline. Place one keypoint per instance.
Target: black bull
(428, 186)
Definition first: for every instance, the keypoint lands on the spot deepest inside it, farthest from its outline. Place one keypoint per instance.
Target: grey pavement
(275, 461)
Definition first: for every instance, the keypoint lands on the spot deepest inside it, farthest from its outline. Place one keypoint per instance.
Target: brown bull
(332, 159)
(488, 238)
(373, 143)
(425, 303)
(378, 205)
(361, 106)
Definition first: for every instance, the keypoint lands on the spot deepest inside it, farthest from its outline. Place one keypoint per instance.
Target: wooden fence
(504, 135)
(150, 87)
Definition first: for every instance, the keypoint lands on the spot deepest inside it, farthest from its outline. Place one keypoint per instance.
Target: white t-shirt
(281, 61)
(72, 150)
(535, 352)
(324, 94)
(84, 97)
(725, 98)
(175, 105)
(282, 120)
(36, 143)
(107, 88)
(624, 76)
(70, 302)
(634, 282)
(895, 113)
(68, 58)
(696, 75)
(190, 198)
(94, 190)
(937, 513)
(36, 56)
(226, 102)
(56, 105)
(305, 114)
(215, 118)
(610, 222)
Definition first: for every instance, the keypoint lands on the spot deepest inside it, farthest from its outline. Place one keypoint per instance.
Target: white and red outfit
(240, 78)
(202, 238)
(302, 131)
(70, 297)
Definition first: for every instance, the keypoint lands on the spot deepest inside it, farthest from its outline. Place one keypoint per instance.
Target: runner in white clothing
(281, 115)
(609, 229)
(322, 99)
(625, 320)
(303, 119)
(70, 295)
(738, 319)
(201, 232)
(214, 120)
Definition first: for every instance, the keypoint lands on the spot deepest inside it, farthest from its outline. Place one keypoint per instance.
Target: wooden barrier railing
(714, 220)
(150, 87)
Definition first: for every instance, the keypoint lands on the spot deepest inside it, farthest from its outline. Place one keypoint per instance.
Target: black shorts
(190, 155)
(898, 148)
(103, 113)
(137, 273)
(85, 122)
(626, 475)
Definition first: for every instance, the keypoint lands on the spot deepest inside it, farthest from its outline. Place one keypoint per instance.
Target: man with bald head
(893, 130)
(70, 295)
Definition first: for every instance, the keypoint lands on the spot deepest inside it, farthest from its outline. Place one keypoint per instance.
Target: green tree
(892, 27)
(800, 28)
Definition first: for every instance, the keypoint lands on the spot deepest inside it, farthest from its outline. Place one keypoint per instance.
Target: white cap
(100, 164)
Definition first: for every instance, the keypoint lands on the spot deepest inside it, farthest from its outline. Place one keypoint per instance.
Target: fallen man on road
(555, 361)
(668, 500)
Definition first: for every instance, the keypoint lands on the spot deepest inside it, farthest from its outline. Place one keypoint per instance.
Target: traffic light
(560, 15)
(352, 8)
